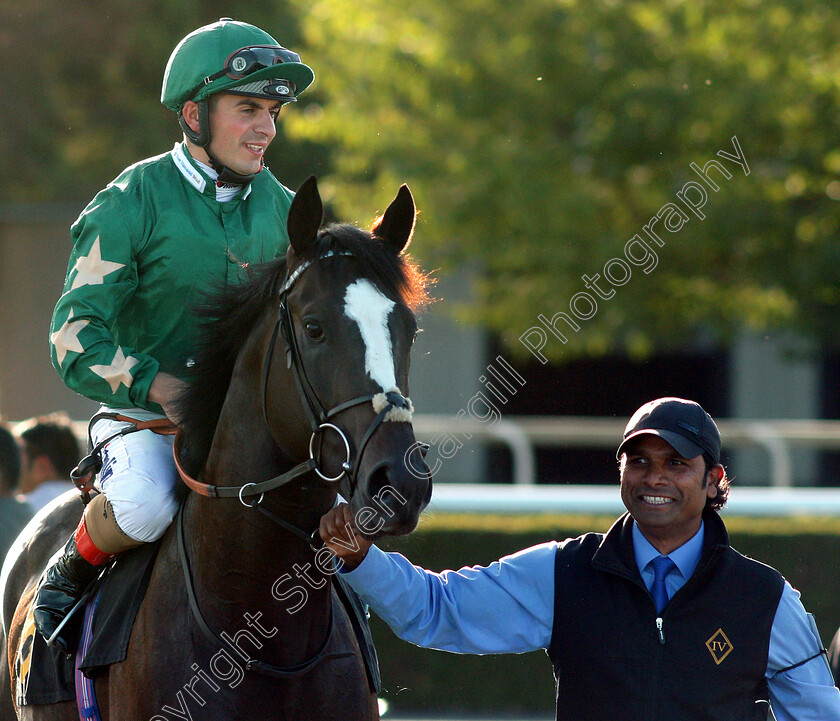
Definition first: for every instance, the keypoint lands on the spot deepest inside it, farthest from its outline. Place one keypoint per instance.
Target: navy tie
(662, 566)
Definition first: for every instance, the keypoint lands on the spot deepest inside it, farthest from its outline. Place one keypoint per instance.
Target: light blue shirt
(508, 607)
(686, 558)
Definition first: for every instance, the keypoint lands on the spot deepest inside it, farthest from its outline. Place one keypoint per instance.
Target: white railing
(522, 434)
(606, 500)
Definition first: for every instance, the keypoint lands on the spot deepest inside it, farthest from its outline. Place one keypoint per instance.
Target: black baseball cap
(682, 424)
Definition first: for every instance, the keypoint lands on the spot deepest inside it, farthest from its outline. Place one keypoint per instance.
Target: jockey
(143, 250)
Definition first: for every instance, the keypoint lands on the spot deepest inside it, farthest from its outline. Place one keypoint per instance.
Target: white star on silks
(91, 269)
(67, 337)
(118, 371)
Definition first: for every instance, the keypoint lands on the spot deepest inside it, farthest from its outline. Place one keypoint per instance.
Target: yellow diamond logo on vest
(719, 646)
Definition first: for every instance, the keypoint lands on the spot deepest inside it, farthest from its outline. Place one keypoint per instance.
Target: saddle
(46, 674)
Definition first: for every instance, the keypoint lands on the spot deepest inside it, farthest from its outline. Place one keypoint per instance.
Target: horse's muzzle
(390, 499)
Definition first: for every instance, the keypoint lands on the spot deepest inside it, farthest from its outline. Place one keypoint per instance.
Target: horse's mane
(227, 316)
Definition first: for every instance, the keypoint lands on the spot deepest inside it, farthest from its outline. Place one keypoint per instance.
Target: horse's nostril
(378, 480)
(395, 495)
(390, 502)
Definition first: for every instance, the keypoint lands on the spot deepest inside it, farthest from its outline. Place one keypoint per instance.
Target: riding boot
(63, 584)
(96, 541)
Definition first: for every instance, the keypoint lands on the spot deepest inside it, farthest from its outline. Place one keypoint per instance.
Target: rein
(240, 492)
(84, 474)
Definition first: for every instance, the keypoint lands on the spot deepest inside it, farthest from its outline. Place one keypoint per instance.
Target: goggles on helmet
(245, 61)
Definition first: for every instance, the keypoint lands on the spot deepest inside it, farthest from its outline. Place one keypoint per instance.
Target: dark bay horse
(317, 340)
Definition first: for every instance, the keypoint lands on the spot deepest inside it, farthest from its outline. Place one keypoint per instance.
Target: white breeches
(138, 477)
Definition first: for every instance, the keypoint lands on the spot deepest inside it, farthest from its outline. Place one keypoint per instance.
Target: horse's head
(346, 327)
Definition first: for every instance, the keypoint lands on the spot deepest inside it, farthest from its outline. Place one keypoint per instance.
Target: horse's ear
(305, 215)
(397, 224)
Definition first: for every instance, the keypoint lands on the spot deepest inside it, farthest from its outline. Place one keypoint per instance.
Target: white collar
(179, 156)
(198, 181)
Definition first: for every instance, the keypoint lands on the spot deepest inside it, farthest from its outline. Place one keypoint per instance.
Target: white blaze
(365, 304)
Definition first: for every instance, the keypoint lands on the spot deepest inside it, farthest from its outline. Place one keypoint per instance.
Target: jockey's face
(241, 129)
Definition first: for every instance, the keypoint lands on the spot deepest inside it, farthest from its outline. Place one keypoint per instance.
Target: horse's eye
(313, 330)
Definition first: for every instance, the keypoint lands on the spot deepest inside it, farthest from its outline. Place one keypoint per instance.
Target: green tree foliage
(539, 137)
(81, 90)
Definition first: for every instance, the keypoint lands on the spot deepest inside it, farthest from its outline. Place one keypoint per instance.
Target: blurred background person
(49, 451)
(14, 513)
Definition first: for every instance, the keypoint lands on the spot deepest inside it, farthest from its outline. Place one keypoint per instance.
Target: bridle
(390, 405)
(320, 419)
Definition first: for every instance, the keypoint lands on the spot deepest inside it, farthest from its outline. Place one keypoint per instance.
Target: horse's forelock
(375, 258)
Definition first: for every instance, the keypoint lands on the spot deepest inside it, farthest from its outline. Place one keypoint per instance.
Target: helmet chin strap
(202, 139)
(226, 174)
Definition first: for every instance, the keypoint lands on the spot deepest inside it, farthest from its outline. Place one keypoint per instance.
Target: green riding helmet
(220, 56)
(232, 57)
